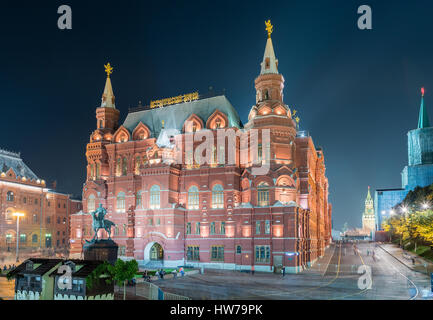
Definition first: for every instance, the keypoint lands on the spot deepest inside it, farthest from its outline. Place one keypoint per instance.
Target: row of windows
(262, 253)
(10, 196)
(223, 227)
(193, 198)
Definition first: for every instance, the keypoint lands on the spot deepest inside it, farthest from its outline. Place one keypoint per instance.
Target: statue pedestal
(102, 250)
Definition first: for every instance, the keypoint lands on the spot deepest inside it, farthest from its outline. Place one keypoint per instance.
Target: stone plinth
(102, 250)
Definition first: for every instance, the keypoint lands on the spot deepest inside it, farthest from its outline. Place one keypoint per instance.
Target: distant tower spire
(108, 95)
(270, 63)
(423, 121)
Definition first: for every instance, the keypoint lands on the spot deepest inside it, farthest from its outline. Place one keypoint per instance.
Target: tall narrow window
(8, 215)
(138, 198)
(124, 166)
(267, 227)
(120, 202)
(263, 195)
(197, 228)
(188, 228)
(91, 203)
(223, 228)
(212, 228)
(10, 196)
(98, 170)
(259, 153)
(217, 196)
(118, 167)
(92, 171)
(137, 165)
(193, 198)
(257, 227)
(155, 197)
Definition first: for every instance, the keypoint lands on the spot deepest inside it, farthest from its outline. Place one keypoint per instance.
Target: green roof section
(423, 121)
(174, 116)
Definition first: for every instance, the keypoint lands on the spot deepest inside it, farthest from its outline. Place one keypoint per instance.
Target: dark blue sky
(357, 92)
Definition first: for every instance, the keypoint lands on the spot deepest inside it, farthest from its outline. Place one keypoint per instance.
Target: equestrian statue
(98, 222)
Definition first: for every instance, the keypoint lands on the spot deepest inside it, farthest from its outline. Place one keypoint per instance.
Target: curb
(401, 261)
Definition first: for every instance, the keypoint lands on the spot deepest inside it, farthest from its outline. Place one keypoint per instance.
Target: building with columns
(46, 212)
(260, 199)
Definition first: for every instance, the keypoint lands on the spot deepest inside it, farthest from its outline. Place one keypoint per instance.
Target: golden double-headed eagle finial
(108, 69)
(269, 27)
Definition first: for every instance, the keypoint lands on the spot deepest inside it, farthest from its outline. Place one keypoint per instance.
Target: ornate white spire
(107, 100)
(270, 63)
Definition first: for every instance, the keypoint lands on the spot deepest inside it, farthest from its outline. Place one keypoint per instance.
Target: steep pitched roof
(11, 160)
(175, 115)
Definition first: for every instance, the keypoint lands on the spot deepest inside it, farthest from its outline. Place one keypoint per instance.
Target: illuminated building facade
(45, 223)
(418, 172)
(220, 213)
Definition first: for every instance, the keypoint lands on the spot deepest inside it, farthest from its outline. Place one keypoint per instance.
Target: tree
(124, 271)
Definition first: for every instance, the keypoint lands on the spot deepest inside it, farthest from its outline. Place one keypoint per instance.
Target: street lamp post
(18, 215)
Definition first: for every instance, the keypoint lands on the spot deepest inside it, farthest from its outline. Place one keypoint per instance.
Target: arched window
(238, 249)
(116, 230)
(10, 196)
(120, 202)
(91, 203)
(124, 230)
(263, 194)
(193, 198)
(34, 238)
(138, 198)
(217, 196)
(155, 197)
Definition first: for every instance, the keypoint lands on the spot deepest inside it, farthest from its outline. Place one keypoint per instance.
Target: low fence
(151, 291)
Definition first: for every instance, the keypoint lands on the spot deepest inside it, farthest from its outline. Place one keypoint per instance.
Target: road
(390, 280)
(334, 277)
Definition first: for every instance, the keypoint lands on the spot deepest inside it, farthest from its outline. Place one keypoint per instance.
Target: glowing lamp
(422, 91)
(18, 214)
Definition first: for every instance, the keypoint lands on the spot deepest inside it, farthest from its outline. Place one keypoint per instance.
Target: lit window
(91, 203)
(193, 198)
(263, 195)
(120, 202)
(217, 196)
(155, 197)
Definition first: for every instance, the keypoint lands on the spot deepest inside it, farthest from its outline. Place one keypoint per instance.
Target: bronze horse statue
(98, 222)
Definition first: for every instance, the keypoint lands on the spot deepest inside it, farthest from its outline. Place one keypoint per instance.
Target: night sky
(356, 91)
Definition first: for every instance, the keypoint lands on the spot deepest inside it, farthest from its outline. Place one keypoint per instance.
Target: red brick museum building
(172, 209)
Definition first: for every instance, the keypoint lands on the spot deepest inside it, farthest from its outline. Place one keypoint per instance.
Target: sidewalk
(405, 257)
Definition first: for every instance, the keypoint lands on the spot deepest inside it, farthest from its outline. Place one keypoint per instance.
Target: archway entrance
(156, 252)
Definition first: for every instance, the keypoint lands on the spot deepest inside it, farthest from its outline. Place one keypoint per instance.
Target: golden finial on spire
(162, 122)
(108, 69)
(269, 27)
